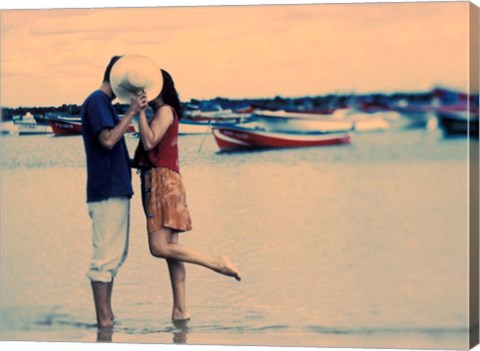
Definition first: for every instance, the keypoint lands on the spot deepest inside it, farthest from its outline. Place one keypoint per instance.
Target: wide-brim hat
(133, 74)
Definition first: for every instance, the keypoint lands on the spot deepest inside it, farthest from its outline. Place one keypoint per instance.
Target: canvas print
(261, 175)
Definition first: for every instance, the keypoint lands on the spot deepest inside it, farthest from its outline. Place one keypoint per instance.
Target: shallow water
(363, 245)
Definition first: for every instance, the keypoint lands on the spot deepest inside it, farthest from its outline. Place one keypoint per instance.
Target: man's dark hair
(106, 75)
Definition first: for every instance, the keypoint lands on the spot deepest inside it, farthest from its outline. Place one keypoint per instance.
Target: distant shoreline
(278, 102)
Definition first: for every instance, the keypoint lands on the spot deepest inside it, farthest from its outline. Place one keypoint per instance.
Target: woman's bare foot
(228, 268)
(178, 315)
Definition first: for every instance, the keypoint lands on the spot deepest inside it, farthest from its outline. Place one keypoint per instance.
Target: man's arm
(109, 137)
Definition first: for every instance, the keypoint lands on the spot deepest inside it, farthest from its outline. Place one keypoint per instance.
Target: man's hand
(139, 103)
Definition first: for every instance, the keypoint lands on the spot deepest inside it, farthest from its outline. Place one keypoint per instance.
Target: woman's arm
(153, 133)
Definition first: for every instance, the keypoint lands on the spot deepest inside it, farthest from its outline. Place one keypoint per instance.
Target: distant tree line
(330, 101)
(64, 110)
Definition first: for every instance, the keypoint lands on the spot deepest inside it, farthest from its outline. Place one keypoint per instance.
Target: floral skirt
(164, 200)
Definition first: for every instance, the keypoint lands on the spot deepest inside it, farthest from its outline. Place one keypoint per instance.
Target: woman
(163, 195)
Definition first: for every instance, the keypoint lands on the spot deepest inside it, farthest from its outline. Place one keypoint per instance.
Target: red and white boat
(249, 135)
(64, 126)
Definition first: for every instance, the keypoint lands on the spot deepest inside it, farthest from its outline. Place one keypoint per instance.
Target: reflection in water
(104, 334)
(180, 332)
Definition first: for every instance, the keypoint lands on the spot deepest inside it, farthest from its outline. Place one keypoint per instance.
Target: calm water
(359, 245)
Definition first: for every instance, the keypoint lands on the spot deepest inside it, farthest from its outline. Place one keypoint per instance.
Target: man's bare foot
(178, 315)
(104, 335)
(229, 269)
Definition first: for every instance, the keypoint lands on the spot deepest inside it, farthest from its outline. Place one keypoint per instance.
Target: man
(109, 189)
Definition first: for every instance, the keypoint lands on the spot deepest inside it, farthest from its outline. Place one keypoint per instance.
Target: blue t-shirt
(108, 171)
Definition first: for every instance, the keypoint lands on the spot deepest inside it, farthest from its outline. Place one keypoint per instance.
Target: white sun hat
(133, 74)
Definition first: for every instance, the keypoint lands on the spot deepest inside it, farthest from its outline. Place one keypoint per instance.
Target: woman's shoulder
(166, 112)
(166, 107)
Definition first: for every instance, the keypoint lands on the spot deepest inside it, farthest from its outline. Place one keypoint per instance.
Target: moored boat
(41, 120)
(282, 121)
(457, 122)
(369, 124)
(415, 115)
(64, 126)
(9, 128)
(189, 126)
(33, 129)
(201, 124)
(362, 122)
(27, 125)
(251, 135)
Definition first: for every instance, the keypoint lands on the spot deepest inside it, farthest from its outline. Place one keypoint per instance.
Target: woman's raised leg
(162, 247)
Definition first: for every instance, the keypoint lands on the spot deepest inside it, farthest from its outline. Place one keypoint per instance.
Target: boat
(64, 126)
(27, 125)
(282, 121)
(201, 123)
(26, 128)
(42, 120)
(9, 127)
(363, 123)
(61, 127)
(189, 127)
(415, 115)
(253, 135)
(456, 121)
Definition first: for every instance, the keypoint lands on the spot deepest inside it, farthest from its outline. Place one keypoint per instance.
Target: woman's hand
(138, 104)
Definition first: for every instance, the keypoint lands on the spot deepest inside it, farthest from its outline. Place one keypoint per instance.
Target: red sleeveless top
(165, 153)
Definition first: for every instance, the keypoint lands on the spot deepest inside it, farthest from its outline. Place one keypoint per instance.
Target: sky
(58, 56)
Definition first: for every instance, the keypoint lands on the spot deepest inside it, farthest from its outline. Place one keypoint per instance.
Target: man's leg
(110, 222)
(101, 297)
(110, 289)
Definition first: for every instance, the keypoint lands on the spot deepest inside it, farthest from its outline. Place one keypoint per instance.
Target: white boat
(416, 115)
(28, 126)
(33, 128)
(295, 122)
(188, 127)
(200, 124)
(363, 122)
(9, 128)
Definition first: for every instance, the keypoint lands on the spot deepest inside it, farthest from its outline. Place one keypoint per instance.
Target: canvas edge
(473, 183)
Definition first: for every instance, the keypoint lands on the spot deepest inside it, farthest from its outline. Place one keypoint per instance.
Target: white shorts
(110, 231)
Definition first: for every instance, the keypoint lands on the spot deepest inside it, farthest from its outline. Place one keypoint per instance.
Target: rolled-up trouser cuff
(100, 276)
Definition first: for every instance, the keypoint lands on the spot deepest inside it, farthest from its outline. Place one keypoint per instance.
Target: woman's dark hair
(169, 93)
(106, 75)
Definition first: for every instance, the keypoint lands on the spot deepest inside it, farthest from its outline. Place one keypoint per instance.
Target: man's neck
(107, 89)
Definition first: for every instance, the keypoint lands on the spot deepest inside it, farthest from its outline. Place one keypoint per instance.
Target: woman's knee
(158, 244)
(158, 251)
